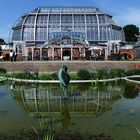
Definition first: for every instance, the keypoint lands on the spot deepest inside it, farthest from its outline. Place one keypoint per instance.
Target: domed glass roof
(43, 23)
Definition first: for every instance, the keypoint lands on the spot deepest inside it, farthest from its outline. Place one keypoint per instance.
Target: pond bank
(73, 81)
(2, 79)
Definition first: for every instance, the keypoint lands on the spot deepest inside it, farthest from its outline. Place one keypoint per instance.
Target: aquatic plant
(48, 137)
(45, 129)
(138, 130)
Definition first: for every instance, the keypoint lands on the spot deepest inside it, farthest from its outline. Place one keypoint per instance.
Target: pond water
(112, 108)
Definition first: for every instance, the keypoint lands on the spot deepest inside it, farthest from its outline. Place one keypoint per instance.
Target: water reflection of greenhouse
(51, 100)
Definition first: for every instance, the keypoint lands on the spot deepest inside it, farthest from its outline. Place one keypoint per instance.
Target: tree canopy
(131, 32)
(2, 42)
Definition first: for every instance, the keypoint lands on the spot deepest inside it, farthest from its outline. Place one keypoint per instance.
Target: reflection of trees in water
(131, 91)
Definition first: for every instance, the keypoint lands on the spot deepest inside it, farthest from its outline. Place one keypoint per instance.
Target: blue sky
(123, 11)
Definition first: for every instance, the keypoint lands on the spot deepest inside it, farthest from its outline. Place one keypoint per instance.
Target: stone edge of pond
(132, 81)
(2, 79)
(73, 81)
(57, 81)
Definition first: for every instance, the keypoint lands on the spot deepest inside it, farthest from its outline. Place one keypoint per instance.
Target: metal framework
(44, 23)
(51, 100)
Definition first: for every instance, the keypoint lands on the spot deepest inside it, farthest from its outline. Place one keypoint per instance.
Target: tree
(2, 42)
(131, 31)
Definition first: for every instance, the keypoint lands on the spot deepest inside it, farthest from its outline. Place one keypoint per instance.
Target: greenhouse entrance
(66, 54)
(66, 48)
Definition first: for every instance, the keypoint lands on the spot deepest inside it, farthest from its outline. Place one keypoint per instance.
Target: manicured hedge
(83, 75)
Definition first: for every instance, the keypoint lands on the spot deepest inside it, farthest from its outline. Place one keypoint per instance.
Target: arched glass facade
(44, 23)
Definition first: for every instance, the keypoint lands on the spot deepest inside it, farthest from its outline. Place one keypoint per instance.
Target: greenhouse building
(59, 33)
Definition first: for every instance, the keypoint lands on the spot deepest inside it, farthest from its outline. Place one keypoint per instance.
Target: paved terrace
(51, 66)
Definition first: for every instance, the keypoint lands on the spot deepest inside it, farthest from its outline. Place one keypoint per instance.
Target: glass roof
(66, 10)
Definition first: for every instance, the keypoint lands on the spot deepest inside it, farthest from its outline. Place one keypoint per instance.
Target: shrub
(18, 75)
(130, 72)
(93, 75)
(116, 73)
(44, 76)
(101, 74)
(121, 72)
(24, 75)
(3, 71)
(73, 76)
(53, 76)
(31, 74)
(83, 75)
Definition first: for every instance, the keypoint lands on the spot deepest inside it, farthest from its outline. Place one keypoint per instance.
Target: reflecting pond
(111, 108)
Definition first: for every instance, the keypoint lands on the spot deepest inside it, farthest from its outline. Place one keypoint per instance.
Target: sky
(123, 11)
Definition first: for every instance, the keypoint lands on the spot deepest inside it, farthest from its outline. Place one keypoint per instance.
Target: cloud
(124, 13)
(129, 16)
